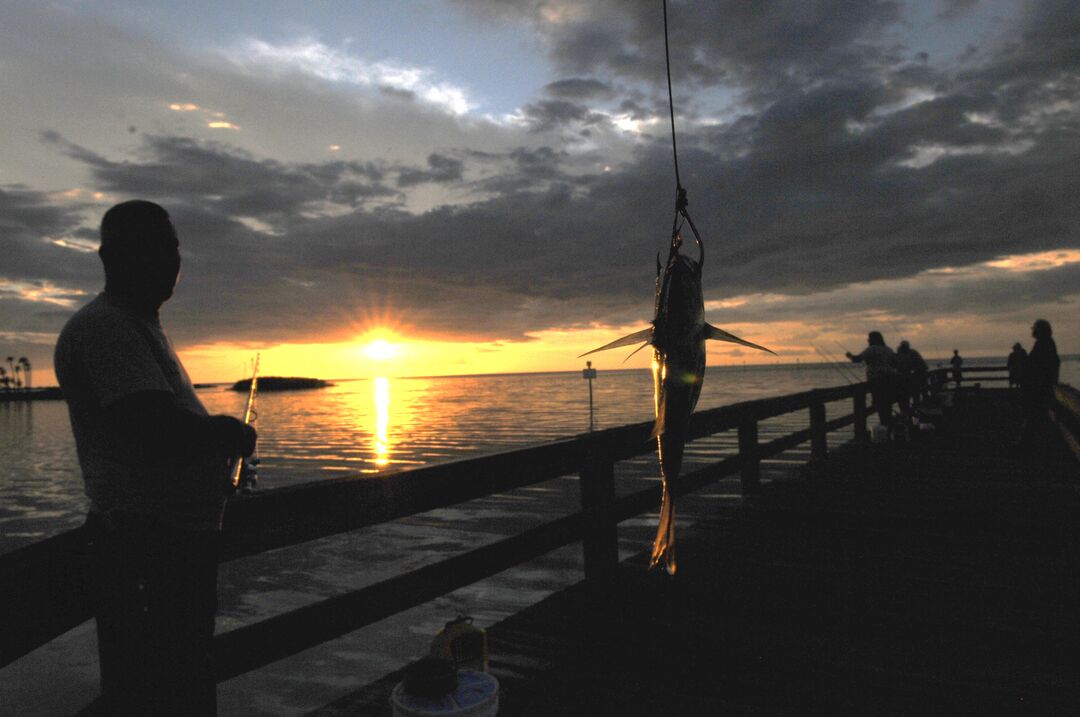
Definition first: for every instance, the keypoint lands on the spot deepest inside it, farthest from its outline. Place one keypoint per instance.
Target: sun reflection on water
(382, 422)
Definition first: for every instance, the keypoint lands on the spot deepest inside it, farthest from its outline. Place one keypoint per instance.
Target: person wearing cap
(155, 469)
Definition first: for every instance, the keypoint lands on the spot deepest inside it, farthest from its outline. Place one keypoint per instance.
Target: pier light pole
(589, 373)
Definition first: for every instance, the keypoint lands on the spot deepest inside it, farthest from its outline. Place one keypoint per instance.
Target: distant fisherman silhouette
(880, 373)
(911, 370)
(1016, 364)
(956, 362)
(154, 466)
(1037, 385)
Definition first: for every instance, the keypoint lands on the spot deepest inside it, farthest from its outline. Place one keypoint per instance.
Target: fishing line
(680, 191)
(671, 108)
(846, 352)
(836, 366)
(845, 364)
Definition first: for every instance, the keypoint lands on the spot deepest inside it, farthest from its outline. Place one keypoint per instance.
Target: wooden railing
(42, 590)
(1066, 414)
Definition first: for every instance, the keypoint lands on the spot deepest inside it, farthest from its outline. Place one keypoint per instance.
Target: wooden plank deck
(936, 577)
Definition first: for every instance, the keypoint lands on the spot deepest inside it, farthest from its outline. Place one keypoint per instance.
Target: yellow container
(463, 643)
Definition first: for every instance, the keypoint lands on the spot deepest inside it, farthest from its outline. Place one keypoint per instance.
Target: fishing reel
(249, 477)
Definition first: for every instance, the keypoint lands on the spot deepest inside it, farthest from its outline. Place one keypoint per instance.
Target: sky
(431, 187)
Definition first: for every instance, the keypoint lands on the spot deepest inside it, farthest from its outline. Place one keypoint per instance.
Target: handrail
(41, 585)
(1065, 412)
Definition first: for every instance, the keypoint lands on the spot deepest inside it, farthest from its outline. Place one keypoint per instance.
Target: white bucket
(477, 695)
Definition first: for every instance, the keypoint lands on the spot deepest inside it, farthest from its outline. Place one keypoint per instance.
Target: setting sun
(380, 350)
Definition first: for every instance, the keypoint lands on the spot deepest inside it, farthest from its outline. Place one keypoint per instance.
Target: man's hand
(251, 437)
(234, 436)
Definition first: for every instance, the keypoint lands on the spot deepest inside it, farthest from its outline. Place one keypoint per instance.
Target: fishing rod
(846, 363)
(834, 365)
(240, 471)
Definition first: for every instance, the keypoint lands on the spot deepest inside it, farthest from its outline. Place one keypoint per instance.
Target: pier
(936, 575)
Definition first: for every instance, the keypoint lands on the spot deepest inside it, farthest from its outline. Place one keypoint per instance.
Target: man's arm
(155, 426)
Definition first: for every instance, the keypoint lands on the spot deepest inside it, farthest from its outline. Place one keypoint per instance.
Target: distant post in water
(589, 373)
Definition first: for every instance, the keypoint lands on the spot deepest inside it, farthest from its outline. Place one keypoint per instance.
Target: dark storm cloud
(768, 43)
(240, 185)
(986, 293)
(579, 88)
(546, 115)
(30, 221)
(440, 170)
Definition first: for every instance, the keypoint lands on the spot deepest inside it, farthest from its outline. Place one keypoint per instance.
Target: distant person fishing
(155, 468)
(880, 364)
(1041, 372)
(956, 362)
(911, 372)
(1016, 363)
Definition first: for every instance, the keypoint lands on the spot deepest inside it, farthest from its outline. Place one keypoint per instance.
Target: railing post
(601, 539)
(751, 467)
(859, 409)
(819, 446)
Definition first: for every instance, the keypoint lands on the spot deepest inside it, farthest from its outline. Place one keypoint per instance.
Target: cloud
(440, 169)
(240, 185)
(579, 88)
(756, 45)
(955, 9)
(336, 65)
(831, 170)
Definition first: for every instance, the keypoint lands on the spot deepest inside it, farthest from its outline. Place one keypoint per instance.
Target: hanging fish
(677, 335)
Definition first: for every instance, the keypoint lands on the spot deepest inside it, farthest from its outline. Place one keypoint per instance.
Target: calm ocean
(373, 426)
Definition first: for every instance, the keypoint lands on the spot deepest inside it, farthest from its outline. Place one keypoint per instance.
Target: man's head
(874, 338)
(904, 347)
(140, 252)
(1041, 329)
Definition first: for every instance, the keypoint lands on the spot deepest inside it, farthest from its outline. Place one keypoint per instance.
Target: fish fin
(711, 332)
(643, 335)
(658, 428)
(634, 351)
(663, 550)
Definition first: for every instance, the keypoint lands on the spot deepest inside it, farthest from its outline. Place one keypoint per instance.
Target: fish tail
(663, 550)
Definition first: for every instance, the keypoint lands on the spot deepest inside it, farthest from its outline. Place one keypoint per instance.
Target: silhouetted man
(1016, 364)
(880, 373)
(1037, 387)
(956, 362)
(155, 470)
(911, 370)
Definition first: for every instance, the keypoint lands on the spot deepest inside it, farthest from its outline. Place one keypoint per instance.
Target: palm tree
(25, 362)
(4, 380)
(18, 382)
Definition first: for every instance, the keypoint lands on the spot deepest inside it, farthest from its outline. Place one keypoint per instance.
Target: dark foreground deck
(936, 577)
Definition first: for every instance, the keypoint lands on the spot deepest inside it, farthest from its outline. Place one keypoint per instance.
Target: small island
(281, 383)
